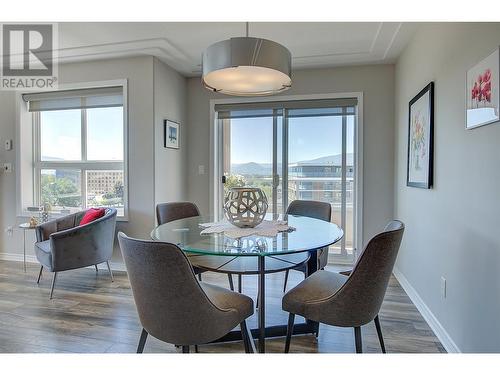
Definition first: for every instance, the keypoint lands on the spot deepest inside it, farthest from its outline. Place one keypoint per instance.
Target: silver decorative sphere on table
(245, 207)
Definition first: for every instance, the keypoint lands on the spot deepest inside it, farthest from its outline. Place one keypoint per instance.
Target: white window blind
(298, 108)
(75, 99)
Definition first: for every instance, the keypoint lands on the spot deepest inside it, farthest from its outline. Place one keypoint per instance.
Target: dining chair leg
(379, 333)
(230, 278)
(244, 336)
(39, 275)
(142, 341)
(199, 277)
(53, 284)
(357, 338)
(240, 280)
(196, 349)
(247, 338)
(96, 269)
(289, 332)
(110, 272)
(185, 349)
(286, 280)
(317, 330)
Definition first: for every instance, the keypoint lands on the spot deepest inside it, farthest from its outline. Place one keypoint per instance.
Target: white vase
(245, 207)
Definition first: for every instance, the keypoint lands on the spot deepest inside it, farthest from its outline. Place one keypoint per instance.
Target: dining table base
(263, 332)
(271, 331)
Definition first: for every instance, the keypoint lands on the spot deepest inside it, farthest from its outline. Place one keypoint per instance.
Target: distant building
(101, 182)
(320, 179)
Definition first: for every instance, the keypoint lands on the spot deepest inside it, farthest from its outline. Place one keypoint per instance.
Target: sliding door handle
(276, 180)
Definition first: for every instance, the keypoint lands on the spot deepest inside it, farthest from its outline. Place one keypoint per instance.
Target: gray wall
(154, 91)
(377, 84)
(170, 164)
(8, 180)
(452, 230)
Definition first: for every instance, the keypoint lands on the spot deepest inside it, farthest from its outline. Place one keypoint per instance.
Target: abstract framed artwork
(482, 92)
(420, 139)
(170, 134)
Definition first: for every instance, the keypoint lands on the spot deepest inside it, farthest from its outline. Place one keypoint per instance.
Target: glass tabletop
(309, 234)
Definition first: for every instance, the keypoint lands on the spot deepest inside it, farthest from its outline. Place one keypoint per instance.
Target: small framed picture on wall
(482, 92)
(420, 139)
(170, 134)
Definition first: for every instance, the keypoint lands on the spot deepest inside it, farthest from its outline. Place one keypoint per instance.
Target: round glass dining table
(306, 235)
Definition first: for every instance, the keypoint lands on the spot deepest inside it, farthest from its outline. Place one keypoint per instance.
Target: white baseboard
(13, 257)
(427, 314)
(18, 257)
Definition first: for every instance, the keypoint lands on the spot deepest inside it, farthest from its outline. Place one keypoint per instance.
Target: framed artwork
(482, 94)
(420, 139)
(170, 134)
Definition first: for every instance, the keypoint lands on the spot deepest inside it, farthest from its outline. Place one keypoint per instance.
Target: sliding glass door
(251, 154)
(294, 150)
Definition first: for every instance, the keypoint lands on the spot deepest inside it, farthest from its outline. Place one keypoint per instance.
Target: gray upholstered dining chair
(62, 244)
(316, 210)
(351, 300)
(167, 212)
(172, 305)
(171, 211)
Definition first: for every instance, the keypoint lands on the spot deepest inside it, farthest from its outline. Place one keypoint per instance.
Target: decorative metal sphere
(245, 207)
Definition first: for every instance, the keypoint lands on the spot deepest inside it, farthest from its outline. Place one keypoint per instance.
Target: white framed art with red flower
(482, 92)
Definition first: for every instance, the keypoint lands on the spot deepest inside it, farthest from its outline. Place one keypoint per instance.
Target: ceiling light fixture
(246, 66)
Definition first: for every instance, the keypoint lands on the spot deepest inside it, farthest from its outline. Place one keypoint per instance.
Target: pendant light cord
(246, 27)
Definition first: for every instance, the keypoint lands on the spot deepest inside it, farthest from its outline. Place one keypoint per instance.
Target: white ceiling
(180, 45)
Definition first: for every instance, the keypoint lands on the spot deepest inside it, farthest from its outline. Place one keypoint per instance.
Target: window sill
(26, 215)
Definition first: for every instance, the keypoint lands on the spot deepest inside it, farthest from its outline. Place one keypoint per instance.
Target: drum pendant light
(246, 66)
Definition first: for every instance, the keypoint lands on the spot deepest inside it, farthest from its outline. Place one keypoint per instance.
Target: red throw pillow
(92, 214)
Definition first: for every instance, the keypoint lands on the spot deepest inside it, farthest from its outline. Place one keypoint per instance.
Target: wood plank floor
(89, 314)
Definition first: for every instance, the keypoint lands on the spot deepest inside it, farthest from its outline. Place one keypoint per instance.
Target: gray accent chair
(171, 211)
(316, 210)
(351, 299)
(172, 305)
(62, 244)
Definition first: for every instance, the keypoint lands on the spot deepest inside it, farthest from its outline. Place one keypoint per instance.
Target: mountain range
(265, 169)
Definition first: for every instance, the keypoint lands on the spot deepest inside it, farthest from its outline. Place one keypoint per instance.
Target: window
(79, 149)
(305, 195)
(305, 185)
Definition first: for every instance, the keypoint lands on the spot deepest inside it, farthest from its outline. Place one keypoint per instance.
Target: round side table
(25, 227)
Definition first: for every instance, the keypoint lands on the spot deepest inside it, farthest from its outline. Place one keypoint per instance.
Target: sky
(309, 138)
(61, 134)
(251, 138)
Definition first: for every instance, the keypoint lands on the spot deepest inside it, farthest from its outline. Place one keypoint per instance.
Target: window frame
(82, 165)
(217, 144)
(310, 176)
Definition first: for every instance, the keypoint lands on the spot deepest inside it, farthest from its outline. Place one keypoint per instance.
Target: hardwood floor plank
(89, 314)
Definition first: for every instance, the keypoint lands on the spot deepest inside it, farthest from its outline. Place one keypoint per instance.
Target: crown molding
(380, 50)
(161, 48)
